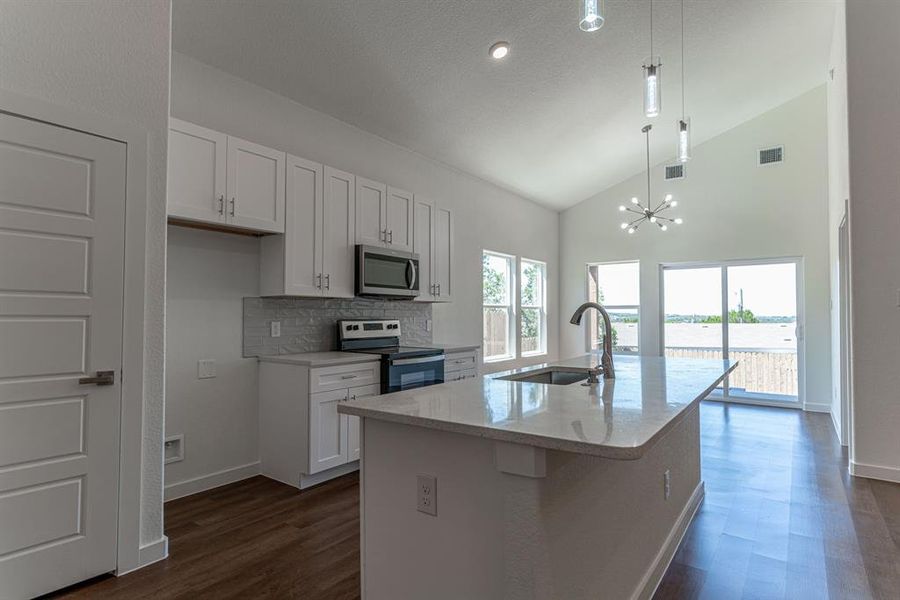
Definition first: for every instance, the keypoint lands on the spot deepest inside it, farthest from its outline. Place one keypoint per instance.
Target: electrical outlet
(427, 324)
(206, 368)
(426, 494)
(667, 478)
(275, 328)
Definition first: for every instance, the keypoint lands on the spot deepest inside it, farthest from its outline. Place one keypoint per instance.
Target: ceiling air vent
(675, 171)
(771, 156)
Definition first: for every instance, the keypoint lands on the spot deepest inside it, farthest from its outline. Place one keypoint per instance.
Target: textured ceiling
(558, 120)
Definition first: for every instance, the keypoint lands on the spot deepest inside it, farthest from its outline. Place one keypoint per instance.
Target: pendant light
(683, 151)
(645, 213)
(591, 15)
(652, 71)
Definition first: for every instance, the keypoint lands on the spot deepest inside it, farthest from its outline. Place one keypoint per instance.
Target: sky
(769, 290)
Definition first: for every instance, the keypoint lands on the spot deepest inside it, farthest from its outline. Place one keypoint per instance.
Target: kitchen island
(540, 490)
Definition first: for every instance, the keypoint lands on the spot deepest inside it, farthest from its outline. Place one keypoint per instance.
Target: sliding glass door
(745, 311)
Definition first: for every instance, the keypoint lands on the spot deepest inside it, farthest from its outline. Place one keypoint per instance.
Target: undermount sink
(551, 375)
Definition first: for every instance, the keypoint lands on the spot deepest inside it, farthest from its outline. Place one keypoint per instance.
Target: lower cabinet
(461, 364)
(303, 438)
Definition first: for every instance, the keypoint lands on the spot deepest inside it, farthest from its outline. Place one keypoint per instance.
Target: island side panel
(590, 528)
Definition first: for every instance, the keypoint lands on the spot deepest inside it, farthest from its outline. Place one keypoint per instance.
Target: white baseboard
(195, 485)
(875, 472)
(652, 578)
(817, 407)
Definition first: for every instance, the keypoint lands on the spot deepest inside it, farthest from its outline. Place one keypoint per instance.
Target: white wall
(485, 215)
(873, 94)
(733, 209)
(208, 275)
(838, 191)
(111, 58)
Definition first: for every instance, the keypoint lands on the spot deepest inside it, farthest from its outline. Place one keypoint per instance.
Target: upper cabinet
(315, 256)
(433, 241)
(384, 215)
(224, 180)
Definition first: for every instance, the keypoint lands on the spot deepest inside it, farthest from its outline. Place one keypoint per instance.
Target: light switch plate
(426, 494)
(206, 368)
(275, 328)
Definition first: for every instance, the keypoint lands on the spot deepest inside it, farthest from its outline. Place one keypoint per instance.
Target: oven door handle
(411, 274)
(399, 362)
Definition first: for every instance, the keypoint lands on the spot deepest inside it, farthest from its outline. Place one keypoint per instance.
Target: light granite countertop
(618, 418)
(321, 359)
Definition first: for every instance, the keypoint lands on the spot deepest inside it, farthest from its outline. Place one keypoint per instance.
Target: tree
(734, 316)
(529, 297)
(492, 282)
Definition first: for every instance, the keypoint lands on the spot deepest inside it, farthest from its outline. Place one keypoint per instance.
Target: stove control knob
(356, 327)
(349, 327)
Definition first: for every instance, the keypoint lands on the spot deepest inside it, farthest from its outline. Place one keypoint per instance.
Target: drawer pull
(348, 376)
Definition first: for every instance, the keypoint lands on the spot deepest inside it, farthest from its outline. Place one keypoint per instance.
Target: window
(532, 304)
(498, 274)
(617, 287)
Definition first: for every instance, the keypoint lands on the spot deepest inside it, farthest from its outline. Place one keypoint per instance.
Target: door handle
(222, 204)
(232, 207)
(101, 378)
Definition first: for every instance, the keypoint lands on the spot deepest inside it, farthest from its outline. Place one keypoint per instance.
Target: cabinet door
(353, 422)
(327, 431)
(338, 264)
(196, 187)
(256, 184)
(443, 254)
(370, 212)
(399, 222)
(304, 228)
(423, 245)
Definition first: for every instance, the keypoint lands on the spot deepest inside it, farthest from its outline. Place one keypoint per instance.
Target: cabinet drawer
(459, 375)
(325, 379)
(460, 361)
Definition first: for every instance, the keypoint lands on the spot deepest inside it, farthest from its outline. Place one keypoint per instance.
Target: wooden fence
(495, 330)
(759, 371)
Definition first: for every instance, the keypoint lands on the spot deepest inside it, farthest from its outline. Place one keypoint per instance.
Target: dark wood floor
(781, 519)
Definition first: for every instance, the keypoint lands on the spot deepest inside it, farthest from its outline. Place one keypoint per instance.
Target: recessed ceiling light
(499, 50)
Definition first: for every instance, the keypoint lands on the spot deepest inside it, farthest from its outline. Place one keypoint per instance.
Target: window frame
(512, 337)
(542, 308)
(612, 307)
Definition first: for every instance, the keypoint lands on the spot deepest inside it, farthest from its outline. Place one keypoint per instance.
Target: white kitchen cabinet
(291, 264)
(433, 241)
(371, 199)
(384, 215)
(225, 181)
(255, 185)
(303, 439)
(399, 219)
(339, 236)
(442, 263)
(423, 245)
(353, 422)
(197, 158)
(315, 256)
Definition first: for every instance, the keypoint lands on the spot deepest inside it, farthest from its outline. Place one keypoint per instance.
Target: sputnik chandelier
(646, 213)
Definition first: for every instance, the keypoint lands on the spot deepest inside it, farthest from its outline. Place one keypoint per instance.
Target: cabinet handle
(391, 239)
(438, 289)
(319, 281)
(328, 281)
(348, 376)
(222, 204)
(232, 207)
(382, 235)
(353, 397)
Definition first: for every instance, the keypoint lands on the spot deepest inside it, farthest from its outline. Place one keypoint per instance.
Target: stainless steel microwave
(383, 272)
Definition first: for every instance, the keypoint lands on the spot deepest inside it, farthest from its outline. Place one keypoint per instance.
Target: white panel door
(423, 245)
(399, 222)
(255, 186)
(370, 212)
(304, 228)
(327, 430)
(340, 239)
(353, 422)
(196, 189)
(443, 254)
(62, 210)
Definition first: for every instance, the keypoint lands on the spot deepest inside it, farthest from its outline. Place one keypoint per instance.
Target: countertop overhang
(618, 419)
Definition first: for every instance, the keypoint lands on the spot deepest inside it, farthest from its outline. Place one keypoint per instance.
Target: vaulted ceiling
(559, 119)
